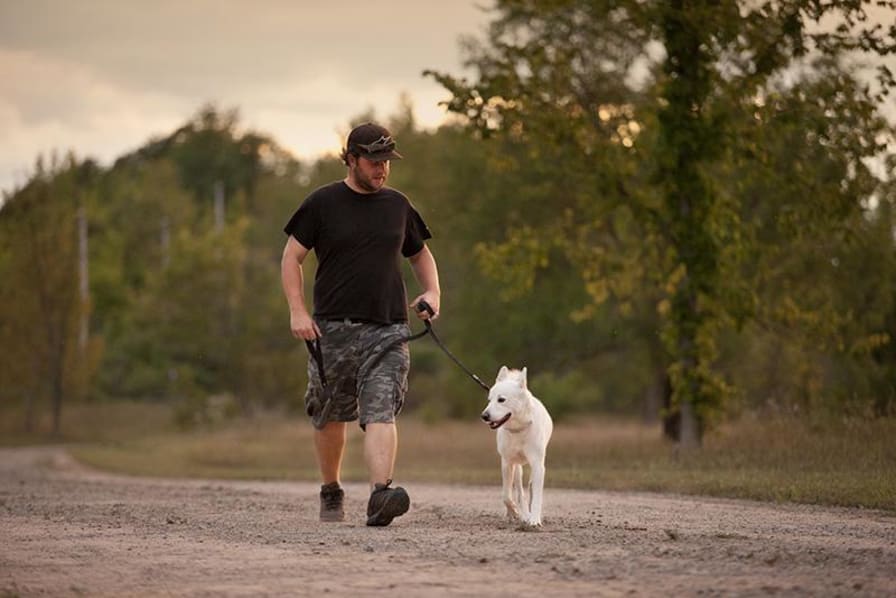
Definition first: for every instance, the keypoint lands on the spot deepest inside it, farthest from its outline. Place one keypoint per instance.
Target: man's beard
(364, 182)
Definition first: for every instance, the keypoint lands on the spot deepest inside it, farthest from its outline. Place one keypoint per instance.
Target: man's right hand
(303, 326)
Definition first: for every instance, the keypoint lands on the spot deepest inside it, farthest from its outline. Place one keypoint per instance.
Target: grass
(849, 463)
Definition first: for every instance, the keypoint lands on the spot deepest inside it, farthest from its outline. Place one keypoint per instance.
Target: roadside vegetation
(843, 462)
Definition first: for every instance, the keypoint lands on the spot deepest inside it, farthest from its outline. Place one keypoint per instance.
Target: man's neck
(355, 187)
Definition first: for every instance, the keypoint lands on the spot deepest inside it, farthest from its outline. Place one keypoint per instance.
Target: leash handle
(423, 306)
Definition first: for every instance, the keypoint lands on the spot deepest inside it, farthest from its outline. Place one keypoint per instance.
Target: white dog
(524, 429)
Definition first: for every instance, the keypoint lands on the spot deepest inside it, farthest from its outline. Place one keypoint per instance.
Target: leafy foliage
(639, 201)
(555, 82)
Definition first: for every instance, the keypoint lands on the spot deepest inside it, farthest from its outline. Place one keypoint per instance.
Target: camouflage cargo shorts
(373, 395)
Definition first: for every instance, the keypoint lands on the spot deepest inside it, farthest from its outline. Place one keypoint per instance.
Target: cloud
(206, 47)
(69, 107)
(102, 76)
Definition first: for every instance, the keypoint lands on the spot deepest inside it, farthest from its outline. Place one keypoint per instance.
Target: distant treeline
(724, 242)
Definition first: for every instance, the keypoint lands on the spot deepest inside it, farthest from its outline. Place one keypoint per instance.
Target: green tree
(139, 213)
(40, 300)
(818, 235)
(553, 78)
(210, 151)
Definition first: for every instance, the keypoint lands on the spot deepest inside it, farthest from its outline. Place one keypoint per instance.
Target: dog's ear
(502, 373)
(523, 379)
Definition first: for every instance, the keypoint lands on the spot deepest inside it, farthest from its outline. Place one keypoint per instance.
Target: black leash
(423, 305)
(319, 410)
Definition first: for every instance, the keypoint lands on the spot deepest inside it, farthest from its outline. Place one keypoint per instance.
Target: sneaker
(331, 496)
(386, 504)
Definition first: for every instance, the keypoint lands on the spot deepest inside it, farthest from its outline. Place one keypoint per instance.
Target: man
(359, 229)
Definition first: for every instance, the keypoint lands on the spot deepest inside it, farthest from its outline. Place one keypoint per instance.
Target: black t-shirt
(359, 239)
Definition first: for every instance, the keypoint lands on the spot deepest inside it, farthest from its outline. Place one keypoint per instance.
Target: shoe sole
(395, 505)
(329, 517)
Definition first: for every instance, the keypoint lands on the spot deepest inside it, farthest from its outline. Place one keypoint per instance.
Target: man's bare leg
(380, 447)
(329, 444)
(385, 503)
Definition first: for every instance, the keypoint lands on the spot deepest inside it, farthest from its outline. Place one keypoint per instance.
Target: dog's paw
(530, 523)
(513, 514)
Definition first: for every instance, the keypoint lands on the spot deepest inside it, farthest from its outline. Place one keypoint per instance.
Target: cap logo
(383, 144)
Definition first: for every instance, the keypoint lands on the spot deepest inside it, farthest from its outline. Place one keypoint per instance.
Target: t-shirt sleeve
(303, 224)
(416, 232)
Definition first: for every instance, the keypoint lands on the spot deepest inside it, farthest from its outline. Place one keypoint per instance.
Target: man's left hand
(432, 299)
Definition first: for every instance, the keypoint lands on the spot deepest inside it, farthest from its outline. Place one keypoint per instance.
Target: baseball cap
(373, 142)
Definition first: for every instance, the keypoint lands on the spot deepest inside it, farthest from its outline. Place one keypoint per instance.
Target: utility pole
(219, 205)
(165, 241)
(84, 286)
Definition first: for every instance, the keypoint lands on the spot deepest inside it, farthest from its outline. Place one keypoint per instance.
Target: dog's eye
(501, 399)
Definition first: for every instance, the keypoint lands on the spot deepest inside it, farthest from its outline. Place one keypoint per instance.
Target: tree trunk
(29, 412)
(689, 430)
(671, 415)
(653, 402)
(684, 140)
(58, 396)
(57, 382)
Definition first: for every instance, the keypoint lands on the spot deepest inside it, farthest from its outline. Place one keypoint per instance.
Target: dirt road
(68, 531)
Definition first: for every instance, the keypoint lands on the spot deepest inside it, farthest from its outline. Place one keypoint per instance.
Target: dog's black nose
(485, 417)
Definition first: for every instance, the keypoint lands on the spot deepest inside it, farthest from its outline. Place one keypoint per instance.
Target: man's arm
(424, 266)
(293, 280)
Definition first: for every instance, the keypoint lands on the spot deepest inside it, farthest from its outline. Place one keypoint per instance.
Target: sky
(102, 77)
